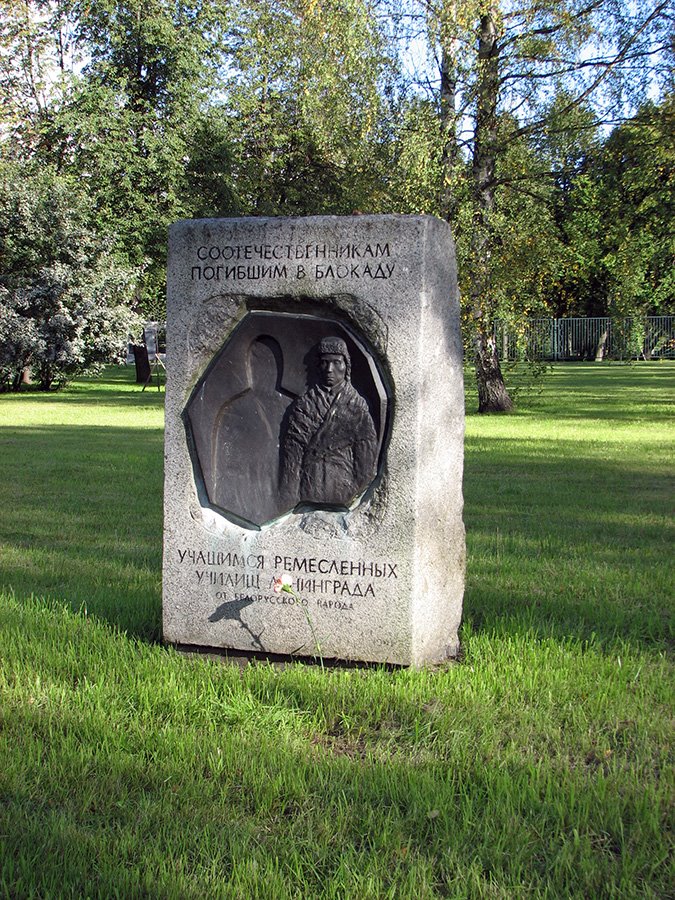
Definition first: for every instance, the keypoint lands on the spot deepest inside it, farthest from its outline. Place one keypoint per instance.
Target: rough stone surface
(376, 559)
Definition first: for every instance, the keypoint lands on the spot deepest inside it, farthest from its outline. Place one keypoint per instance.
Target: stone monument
(314, 432)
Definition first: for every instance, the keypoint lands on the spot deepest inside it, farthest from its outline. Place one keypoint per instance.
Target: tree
(61, 289)
(134, 125)
(297, 106)
(616, 214)
(37, 59)
(636, 178)
(305, 106)
(196, 109)
(497, 61)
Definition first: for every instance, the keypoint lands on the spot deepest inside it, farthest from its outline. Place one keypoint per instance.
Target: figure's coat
(329, 448)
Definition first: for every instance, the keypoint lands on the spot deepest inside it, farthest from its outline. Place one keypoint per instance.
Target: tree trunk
(601, 346)
(450, 158)
(492, 393)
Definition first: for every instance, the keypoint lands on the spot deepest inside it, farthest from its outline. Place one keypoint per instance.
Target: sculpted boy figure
(329, 448)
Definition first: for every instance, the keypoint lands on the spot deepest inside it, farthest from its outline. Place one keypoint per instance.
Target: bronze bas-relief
(291, 411)
(329, 446)
(245, 438)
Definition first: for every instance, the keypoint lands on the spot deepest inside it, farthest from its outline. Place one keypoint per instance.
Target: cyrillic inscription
(247, 262)
(293, 251)
(238, 572)
(213, 558)
(311, 564)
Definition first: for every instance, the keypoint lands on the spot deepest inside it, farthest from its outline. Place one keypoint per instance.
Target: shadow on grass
(605, 392)
(82, 520)
(568, 545)
(142, 773)
(123, 399)
(405, 831)
(559, 544)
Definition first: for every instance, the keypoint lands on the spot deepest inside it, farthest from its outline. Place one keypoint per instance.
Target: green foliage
(61, 289)
(616, 214)
(209, 182)
(637, 183)
(37, 58)
(415, 180)
(139, 124)
(525, 237)
(194, 109)
(510, 76)
(304, 102)
(162, 110)
(134, 126)
(133, 170)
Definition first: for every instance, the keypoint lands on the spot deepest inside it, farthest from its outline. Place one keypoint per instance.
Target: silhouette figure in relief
(245, 442)
(329, 446)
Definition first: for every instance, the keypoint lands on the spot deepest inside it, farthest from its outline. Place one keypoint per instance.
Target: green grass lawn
(540, 765)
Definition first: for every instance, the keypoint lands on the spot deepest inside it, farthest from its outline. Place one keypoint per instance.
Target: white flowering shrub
(63, 294)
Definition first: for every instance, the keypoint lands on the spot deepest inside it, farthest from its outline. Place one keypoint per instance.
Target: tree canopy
(62, 292)
(542, 132)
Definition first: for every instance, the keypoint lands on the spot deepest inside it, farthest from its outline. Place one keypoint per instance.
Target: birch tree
(495, 59)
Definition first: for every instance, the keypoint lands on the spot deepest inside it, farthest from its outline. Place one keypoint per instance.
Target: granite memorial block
(314, 430)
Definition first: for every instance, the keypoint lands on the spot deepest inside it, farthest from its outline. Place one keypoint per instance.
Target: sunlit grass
(569, 505)
(540, 765)
(82, 490)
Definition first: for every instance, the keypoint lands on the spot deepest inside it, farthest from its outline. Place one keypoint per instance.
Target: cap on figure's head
(331, 347)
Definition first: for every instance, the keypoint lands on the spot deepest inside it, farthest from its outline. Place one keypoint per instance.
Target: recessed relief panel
(291, 412)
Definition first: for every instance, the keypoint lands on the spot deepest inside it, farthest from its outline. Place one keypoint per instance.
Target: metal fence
(651, 337)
